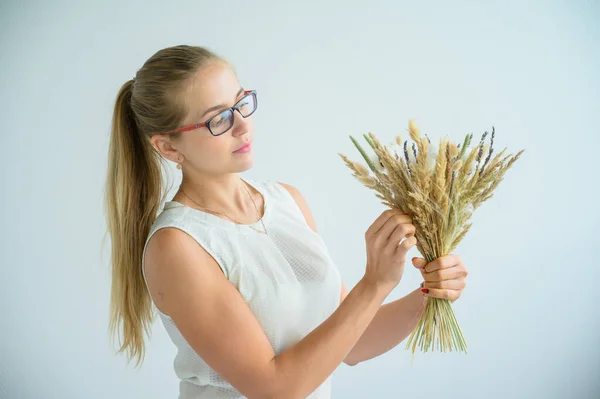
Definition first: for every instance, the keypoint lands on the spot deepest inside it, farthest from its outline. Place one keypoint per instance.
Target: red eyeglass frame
(205, 124)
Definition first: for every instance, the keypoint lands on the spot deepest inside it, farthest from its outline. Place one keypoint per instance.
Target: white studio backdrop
(323, 71)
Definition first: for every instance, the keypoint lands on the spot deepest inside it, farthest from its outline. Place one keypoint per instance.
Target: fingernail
(425, 290)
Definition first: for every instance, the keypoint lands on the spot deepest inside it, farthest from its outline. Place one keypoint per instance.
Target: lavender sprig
(491, 150)
(481, 143)
(407, 158)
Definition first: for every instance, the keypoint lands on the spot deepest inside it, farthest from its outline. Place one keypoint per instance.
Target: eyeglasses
(223, 121)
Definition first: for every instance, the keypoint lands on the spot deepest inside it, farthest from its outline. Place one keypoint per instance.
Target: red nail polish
(425, 290)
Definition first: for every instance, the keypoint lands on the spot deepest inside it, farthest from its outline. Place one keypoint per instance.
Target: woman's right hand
(385, 258)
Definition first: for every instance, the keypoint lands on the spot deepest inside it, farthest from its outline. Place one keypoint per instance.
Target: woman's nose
(240, 124)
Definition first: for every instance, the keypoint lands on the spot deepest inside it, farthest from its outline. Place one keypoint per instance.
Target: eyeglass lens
(224, 121)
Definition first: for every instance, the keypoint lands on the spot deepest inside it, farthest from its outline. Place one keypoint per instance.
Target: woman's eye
(218, 121)
(244, 104)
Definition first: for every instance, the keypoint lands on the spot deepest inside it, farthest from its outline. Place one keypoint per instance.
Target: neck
(227, 194)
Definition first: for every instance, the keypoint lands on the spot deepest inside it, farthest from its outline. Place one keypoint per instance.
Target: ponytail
(133, 190)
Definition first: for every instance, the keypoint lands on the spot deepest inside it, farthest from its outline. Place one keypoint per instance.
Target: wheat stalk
(440, 201)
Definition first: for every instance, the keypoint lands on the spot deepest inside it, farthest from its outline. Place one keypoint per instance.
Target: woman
(241, 279)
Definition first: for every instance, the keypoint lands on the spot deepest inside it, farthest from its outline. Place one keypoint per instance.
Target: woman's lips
(245, 148)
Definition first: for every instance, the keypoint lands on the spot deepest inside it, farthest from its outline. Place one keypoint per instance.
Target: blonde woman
(239, 275)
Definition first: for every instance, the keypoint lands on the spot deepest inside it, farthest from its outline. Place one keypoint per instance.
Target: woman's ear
(164, 145)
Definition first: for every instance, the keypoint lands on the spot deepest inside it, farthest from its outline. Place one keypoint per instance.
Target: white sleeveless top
(287, 278)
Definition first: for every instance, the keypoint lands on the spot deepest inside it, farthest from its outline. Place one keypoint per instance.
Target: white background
(323, 70)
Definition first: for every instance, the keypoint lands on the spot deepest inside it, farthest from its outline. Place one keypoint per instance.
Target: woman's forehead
(212, 86)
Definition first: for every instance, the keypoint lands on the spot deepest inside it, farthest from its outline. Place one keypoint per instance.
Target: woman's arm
(393, 322)
(443, 278)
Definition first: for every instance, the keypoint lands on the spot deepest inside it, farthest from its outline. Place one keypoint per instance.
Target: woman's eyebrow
(220, 106)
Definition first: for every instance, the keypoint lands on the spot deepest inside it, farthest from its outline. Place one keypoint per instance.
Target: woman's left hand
(444, 278)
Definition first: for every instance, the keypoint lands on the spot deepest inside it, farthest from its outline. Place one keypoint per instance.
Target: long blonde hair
(134, 185)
